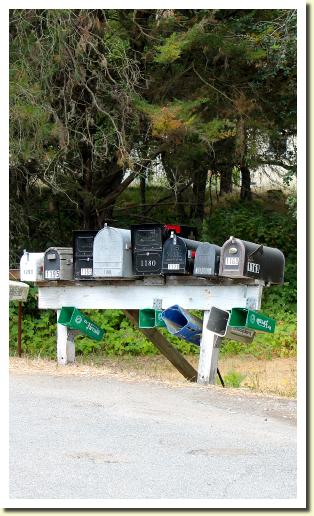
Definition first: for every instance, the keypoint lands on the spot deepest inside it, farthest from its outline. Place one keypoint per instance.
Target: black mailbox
(147, 245)
(147, 241)
(241, 259)
(207, 260)
(178, 255)
(83, 241)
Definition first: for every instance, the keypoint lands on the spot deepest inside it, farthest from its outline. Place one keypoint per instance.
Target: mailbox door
(206, 260)
(52, 264)
(83, 268)
(108, 257)
(147, 262)
(174, 257)
(147, 237)
(83, 253)
(31, 266)
(233, 259)
(66, 264)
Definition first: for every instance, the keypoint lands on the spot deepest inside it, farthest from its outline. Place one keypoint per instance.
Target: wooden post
(19, 330)
(209, 352)
(165, 347)
(65, 343)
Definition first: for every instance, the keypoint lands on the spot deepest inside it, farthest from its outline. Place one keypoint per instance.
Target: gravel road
(94, 437)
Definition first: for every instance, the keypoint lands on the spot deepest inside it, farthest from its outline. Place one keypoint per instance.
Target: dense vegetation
(104, 101)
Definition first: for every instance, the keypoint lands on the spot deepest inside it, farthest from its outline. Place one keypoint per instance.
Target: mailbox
(147, 245)
(147, 242)
(32, 266)
(218, 323)
(112, 253)
(178, 255)
(58, 263)
(207, 258)
(241, 259)
(83, 241)
(182, 324)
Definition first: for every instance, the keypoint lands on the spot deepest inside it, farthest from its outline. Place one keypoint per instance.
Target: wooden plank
(165, 347)
(209, 352)
(135, 297)
(14, 274)
(65, 344)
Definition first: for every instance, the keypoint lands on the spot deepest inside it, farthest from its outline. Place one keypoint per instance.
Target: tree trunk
(245, 194)
(143, 192)
(199, 189)
(225, 181)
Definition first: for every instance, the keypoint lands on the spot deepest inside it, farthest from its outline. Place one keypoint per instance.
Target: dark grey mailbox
(58, 263)
(241, 259)
(178, 255)
(207, 258)
(83, 253)
(147, 241)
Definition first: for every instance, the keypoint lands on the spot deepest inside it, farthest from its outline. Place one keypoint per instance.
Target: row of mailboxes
(151, 249)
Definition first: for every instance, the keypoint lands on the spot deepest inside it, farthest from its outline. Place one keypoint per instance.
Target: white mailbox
(112, 253)
(58, 263)
(32, 266)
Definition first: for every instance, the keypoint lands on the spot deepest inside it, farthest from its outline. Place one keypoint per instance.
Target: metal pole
(19, 330)
(220, 378)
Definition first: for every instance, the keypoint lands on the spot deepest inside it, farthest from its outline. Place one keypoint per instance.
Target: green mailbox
(74, 319)
(150, 318)
(244, 318)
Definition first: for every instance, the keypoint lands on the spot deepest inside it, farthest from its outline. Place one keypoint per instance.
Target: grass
(274, 377)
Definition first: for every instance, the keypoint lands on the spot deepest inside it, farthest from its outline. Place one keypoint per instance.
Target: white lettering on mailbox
(232, 260)
(52, 274)
(86, 272)
(253, 267)
(174, 266)
(148, 263)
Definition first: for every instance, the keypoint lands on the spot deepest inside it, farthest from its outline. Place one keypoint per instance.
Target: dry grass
(275, 377)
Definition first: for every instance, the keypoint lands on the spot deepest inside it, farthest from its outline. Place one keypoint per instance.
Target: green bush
(233, 379)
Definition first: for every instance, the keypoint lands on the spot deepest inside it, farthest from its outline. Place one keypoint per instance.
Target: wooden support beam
(165, 347)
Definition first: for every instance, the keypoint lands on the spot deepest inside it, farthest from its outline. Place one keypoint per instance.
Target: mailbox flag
(182, 324)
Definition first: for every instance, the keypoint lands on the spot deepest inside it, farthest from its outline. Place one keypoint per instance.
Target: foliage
(96, 95)
(281, 344)
(233, 379)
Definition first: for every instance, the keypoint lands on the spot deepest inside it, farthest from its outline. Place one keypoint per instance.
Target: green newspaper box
(74, 319)
(244, 318)
(150, 318)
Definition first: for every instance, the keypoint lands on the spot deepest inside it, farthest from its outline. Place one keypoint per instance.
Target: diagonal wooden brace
(165, 347)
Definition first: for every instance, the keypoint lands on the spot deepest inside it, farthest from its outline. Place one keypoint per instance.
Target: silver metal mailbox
(32, 266)
(207, 259)
(112, 253)
(58, 263)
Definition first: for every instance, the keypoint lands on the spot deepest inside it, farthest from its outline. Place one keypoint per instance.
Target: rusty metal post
(19, 330)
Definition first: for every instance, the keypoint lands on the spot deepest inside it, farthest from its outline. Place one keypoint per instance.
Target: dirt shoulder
(275, 377)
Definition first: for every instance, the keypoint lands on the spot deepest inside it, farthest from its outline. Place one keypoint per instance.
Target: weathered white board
(134, 296)
(18, 291)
